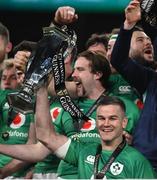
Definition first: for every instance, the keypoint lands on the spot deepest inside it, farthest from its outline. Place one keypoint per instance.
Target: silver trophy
(55, 41)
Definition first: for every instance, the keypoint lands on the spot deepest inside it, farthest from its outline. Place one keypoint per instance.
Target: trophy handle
(19, 105)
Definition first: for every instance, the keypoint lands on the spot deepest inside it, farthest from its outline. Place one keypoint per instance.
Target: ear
(97, 75)
(8, 47)
(125, 122)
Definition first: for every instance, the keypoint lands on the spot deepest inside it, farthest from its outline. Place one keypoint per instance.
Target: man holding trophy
(56, 44)
(40, 73)
(37, 74)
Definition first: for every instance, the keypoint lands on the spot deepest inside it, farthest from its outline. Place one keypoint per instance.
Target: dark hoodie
(143, 79)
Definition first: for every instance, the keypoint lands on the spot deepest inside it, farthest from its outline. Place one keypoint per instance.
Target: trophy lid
(54, 30)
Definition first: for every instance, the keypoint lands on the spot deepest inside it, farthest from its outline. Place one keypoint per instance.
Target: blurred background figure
(97, 43)
(5, 44)
(10, 79)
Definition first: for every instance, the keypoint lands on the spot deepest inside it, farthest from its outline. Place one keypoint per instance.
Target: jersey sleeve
(72, 155)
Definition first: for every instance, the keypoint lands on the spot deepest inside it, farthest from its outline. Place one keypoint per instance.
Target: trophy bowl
(55, 41)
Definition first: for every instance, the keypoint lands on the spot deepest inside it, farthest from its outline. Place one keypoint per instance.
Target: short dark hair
(138, 28)
(25, 46)
(98, 63)
(97, 39)
(4, 32)
(112, 100)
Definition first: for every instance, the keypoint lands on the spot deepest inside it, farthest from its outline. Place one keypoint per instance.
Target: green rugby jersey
(129, 164)
(17, 131)
(65, 125)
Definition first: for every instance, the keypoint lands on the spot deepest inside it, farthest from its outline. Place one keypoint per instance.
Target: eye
(140, 40)
(113, 118)
(100, 118)
(13, 78)
(80, 69)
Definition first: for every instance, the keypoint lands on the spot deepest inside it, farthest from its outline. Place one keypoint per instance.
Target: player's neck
(111, 145)
(96, 93)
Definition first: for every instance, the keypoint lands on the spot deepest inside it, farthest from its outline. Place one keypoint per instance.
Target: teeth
(148, 51)
(77, 83)
(106, 130)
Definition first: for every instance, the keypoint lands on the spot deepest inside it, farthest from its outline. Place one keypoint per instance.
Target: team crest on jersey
(18, 121)
(116, 168)
(89, 125)
(55, 112)
(6, 106)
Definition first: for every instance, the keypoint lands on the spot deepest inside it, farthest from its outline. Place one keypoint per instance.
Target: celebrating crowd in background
(113, 85)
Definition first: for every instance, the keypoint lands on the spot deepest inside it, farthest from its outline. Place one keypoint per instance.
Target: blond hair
(8, 63)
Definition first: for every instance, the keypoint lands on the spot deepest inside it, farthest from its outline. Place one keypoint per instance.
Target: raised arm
(131, 71)
(26, 152)
(44, 128)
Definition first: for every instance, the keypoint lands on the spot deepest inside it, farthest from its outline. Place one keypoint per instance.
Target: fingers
(132, 14)
(128, 137)
(21, 59)
(68, 13)
(133, 4)
(65, 15)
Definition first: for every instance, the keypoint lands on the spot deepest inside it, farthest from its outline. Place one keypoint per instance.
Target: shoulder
(134, 153)
(85, 146)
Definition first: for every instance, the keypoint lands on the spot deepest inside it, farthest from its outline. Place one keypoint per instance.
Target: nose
(106, 122)
(6, 81)
(5, 84)
(148, 41)
(74, 74)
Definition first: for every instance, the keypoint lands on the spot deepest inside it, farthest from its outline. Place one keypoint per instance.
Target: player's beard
(81, 92)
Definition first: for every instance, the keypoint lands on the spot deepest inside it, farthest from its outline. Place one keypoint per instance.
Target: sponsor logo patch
(55, 112)
(18, 121)
(90, 159)
(89, 125)
(124, 89)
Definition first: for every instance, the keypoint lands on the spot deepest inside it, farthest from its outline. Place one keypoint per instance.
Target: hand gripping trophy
(149, 11)
(55, 41)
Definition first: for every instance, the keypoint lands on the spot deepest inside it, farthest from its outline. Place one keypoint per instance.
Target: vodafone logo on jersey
(18, 121)
(55, 112)
(89, 125)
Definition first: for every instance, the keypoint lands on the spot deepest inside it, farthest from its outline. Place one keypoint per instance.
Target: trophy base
(20, 104)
